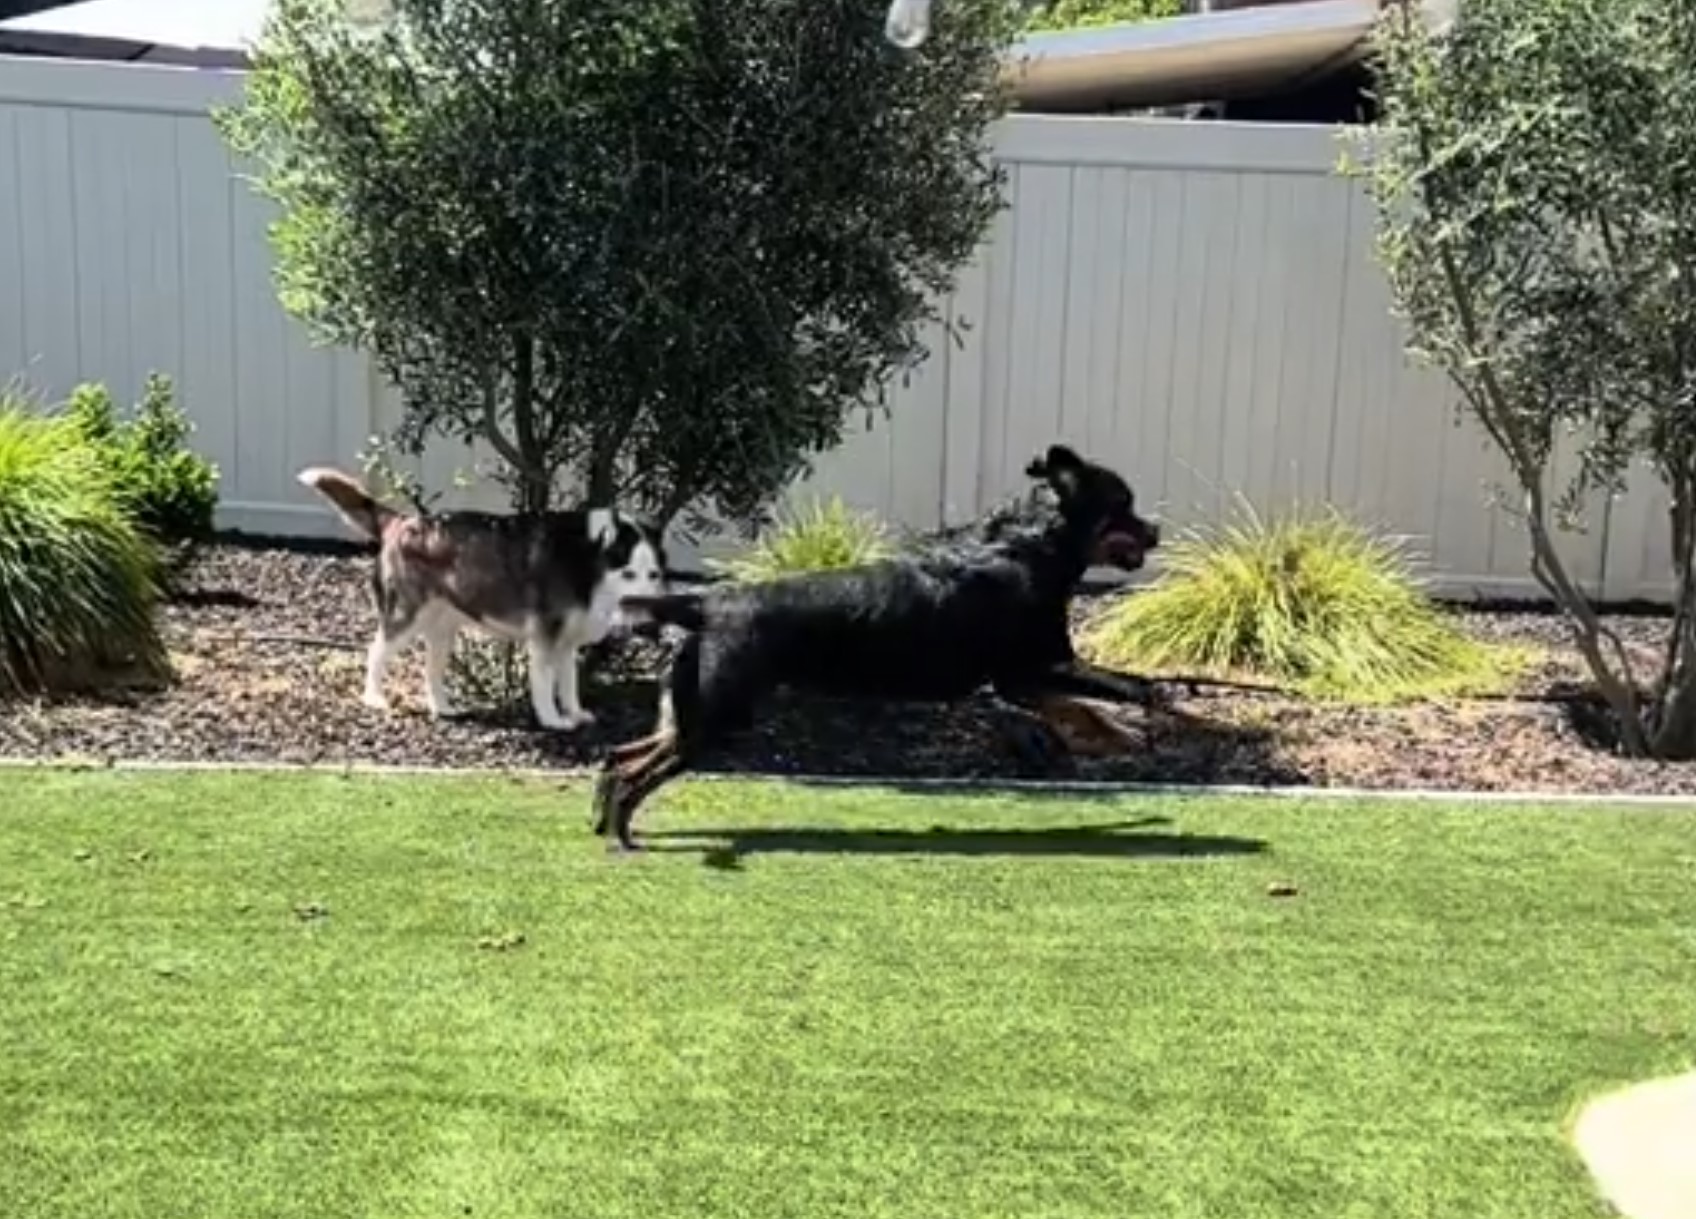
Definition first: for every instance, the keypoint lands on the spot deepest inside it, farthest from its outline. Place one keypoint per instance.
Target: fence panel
(1197, 303)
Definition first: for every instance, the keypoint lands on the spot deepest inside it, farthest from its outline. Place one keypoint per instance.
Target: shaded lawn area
(242, 996)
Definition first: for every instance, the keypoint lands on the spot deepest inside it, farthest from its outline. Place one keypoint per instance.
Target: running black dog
(988, 607)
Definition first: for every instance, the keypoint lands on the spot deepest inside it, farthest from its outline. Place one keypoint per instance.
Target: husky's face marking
(635, 566)
(643, 574)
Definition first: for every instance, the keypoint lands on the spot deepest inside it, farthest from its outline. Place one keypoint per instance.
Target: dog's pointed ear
(1059, 466)
(1061, 457)
(603, 526)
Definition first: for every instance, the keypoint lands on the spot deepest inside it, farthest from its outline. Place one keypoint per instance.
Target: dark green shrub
(171, 490)
(78, 579)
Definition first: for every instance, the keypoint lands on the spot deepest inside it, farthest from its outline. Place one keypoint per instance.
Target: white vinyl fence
(1195, 303)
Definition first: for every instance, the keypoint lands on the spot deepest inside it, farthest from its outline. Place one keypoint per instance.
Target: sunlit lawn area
(245, 996)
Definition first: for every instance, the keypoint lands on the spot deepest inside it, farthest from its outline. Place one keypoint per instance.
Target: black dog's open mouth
(1122, 550)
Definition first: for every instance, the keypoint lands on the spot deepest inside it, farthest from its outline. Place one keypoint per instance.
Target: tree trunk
(603, 474)
(535, 474)
(532, 497)
(1675, 732)
(1674, 737)
(1587, 630)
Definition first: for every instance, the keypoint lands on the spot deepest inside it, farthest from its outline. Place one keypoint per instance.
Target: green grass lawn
(244, 996)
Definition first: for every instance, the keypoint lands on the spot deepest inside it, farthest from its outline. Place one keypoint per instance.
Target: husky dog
(554, 581)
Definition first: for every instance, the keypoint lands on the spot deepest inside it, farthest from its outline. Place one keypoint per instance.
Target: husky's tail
(671, 609)
(355, 505)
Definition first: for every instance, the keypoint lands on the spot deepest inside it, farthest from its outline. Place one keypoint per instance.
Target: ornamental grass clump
(79, 579)
(819, 536)
(1310, 600)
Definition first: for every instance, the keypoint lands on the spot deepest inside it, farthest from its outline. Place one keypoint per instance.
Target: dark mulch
(269, 645)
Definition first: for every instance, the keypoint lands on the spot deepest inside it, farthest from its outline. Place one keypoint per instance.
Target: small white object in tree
(908, 23)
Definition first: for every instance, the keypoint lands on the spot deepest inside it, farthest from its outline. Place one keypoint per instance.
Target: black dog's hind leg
(638, 780)
(619, 760)
(606, 792)
(713, 688)
(635, 769)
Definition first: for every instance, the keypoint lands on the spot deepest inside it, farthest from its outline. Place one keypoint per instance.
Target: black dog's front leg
(1088, 681)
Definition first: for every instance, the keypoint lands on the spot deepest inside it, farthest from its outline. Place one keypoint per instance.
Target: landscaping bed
(268, 645)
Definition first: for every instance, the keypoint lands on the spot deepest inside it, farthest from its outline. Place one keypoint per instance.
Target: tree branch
(497, 439)
(681, 494)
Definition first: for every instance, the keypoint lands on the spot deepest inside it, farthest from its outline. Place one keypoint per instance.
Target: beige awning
(1198, 57)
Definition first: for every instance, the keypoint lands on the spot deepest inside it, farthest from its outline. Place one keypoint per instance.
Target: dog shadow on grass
(968, 752)
(725, 847)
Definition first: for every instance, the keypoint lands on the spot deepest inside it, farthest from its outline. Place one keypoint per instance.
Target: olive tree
(1534, 173)
(659, 251)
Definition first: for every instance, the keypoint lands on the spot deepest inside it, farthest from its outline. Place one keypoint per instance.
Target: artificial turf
(317, 996)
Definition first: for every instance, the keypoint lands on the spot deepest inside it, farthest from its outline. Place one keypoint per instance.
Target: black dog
(988, 607)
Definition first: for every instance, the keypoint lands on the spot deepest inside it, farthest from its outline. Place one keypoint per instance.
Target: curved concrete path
(1640, 1147)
